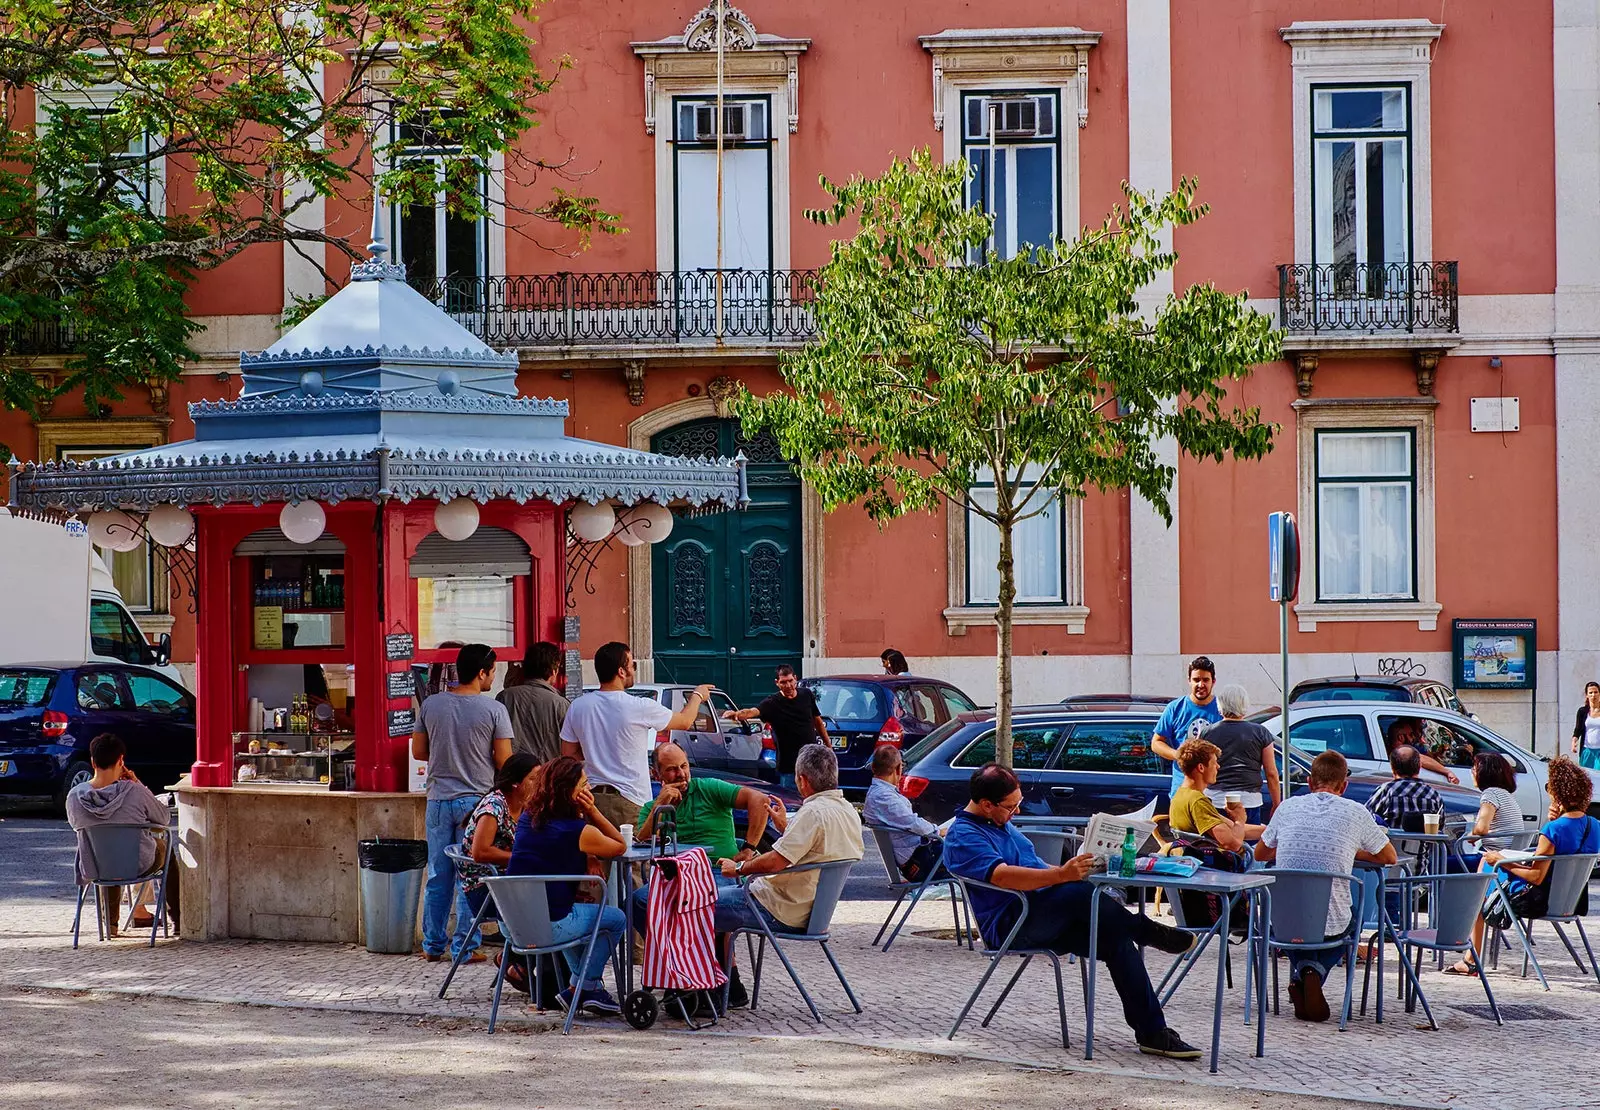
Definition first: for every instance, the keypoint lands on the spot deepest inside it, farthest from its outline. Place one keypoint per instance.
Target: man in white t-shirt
(612, 732)
(1323, 831)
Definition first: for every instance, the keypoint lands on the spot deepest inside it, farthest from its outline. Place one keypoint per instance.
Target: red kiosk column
(215, 671)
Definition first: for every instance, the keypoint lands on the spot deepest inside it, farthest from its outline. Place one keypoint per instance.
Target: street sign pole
(1283, 585)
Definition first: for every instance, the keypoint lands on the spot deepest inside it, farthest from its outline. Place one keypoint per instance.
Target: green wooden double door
(726, 586)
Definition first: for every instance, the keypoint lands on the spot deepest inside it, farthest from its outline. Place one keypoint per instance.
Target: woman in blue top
(1570, 831)
(557, 833)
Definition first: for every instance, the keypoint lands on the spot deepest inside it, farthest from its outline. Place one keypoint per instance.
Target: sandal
(1462, 967)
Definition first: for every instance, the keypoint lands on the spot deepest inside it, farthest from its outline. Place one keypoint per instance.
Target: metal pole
(993, 202)
(722, 30)
(1283, 661)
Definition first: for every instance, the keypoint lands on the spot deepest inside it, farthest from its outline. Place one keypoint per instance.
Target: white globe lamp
(114, 530)
(302, 521)
(627, 529)
(456, 519)
(170, 526)
(650, 522)
(592, 523)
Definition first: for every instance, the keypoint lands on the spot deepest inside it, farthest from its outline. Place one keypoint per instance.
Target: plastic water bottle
(1129, 853)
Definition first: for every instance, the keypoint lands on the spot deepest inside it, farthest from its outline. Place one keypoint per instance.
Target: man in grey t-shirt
(464, 736)
(537, 708)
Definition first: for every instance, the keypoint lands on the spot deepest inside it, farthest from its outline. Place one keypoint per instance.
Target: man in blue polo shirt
(1179, 718)
(982, 844)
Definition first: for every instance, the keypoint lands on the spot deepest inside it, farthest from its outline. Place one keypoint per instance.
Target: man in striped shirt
(1401, 802)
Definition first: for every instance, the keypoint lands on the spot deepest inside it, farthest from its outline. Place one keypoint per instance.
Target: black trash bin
(392, 874)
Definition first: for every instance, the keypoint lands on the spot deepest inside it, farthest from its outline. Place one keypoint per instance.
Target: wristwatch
(756, 848)
(738, 867)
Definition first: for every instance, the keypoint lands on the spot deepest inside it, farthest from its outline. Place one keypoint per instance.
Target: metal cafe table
(1254, 885)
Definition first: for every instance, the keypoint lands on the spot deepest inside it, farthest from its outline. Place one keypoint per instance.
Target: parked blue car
(1078, 761)
(865, 711)
(50, 712)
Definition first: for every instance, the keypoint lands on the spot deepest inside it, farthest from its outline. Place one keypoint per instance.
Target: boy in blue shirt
(1181, 715)
(983, 845)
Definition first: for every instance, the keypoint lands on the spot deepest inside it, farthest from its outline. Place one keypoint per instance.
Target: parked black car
(1075, 763)
(1422, 691)
(864, 711)
(50, 712)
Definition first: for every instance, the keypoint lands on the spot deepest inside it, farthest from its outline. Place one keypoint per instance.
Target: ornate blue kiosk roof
(377, 394)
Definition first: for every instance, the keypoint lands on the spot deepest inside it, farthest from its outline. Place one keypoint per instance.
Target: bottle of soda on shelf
(1129, 854)
(264, 587)
(305, 589)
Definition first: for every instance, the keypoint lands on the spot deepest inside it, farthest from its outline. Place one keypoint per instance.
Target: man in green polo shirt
(704, 811)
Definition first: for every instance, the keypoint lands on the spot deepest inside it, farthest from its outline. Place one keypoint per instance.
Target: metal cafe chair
(1454, 904)
(831, 877)
(901, 886)
(1568, 877)
(457, 858)
(1299, 921)
(1006, 947)
(522, 904)
(108, 856)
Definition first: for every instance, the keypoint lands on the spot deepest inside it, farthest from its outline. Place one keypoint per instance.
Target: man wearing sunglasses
(984, 845)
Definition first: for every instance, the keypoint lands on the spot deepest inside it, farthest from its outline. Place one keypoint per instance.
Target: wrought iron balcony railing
(42, 337)
(649, 307)
(1368, 298)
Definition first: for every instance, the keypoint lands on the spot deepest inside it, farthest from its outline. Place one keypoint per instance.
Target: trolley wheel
(640, 1009)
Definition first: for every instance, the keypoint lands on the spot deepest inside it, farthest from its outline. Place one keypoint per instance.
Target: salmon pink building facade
(1413, 195)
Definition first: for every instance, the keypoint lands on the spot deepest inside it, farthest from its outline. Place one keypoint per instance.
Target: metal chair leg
(1595, 967)
(794, 976)
(916, 896)
(1061, 1003)
(1484, 979)
(1023, 966)
(1414, 985)
(1571, 951)
(988, 973)
(461, 954)
(1525, 935)
(882, 928)
(1349, 985)
(499, 983)
(757, 960)
(78, 914)
(839, 971)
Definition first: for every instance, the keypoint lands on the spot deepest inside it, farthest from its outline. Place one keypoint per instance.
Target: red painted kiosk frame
(380, 600)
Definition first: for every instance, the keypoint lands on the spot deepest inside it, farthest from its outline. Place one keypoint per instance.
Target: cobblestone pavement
(910, 997)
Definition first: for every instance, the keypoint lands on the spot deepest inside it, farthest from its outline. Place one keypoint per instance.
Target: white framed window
(1034, 83)
(747, 148)
(1362, 140)
(1047, 561)
(1361, 175)
(430, 239)
(141, 179)
(1366, 511)
(1366, 514)
(1011, 142)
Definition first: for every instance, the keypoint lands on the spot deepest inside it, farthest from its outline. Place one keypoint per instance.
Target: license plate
(841, 743)
(5, 766)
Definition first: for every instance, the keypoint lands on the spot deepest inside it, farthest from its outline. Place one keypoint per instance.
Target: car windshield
(647, 695)
(922, 747)
(1351, 692)
(25, 688)
(848, 703)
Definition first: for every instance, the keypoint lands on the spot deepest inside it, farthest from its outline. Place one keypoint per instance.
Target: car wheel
(77, 772)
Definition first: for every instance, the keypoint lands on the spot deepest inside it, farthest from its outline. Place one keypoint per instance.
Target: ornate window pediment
(748, 54)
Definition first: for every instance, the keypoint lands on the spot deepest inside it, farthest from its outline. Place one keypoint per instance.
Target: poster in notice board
(399, 684)
(402, 722)
(1495, 654)
(399, 647)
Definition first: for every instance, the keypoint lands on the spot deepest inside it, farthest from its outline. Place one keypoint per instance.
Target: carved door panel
(726, 586)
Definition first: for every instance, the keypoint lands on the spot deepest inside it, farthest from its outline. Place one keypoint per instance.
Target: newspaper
(1105, 834)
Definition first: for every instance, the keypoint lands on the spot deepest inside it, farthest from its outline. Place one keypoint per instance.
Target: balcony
(1349, 308)
(643, 309)
(42, 337)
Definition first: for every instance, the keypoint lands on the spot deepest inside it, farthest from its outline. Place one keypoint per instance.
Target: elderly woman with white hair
(1247, 757)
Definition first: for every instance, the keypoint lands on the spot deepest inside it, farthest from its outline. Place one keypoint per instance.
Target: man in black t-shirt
(792, 713)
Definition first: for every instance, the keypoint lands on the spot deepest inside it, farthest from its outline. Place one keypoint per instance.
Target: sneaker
(738, 997)
(600, 1003)
(1306, 996)
(1174, 942)
(1169, 1044)
(564, 999)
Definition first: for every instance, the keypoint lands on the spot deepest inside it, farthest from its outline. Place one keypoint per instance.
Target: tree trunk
(1002, 620)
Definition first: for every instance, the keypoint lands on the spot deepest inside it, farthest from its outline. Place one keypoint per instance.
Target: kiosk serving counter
(377, 495)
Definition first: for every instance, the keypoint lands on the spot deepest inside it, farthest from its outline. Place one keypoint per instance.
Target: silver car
(1356, 730)
(746, 747)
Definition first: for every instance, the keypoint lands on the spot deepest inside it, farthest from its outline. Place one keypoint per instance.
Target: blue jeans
(1320, 960)
(447, 821)
(578, 923)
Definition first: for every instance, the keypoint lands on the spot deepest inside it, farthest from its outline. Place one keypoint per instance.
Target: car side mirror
(164, 649)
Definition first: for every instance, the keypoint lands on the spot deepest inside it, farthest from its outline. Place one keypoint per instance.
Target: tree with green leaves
(1041, 376)
(264, 105)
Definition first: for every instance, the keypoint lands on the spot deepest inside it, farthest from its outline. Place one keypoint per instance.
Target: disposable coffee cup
(627, 834)
(1430, 822)
(1233, 797)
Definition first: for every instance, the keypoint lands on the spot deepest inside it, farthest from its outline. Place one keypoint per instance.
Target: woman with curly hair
(559, 830)
(1569, 831)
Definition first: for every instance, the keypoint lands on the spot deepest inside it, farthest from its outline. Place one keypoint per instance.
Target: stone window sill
(959, 618)
(1425, 613)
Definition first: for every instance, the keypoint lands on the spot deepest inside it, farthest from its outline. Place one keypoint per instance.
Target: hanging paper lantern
(115, 530)
(456, 519)
(170, 526)
(592, 523)
(650, 522)
(302, 521)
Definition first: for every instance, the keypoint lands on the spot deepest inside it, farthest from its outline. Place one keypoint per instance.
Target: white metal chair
(831, 877)
(522, 904)
(108, 856)
(901, 886)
